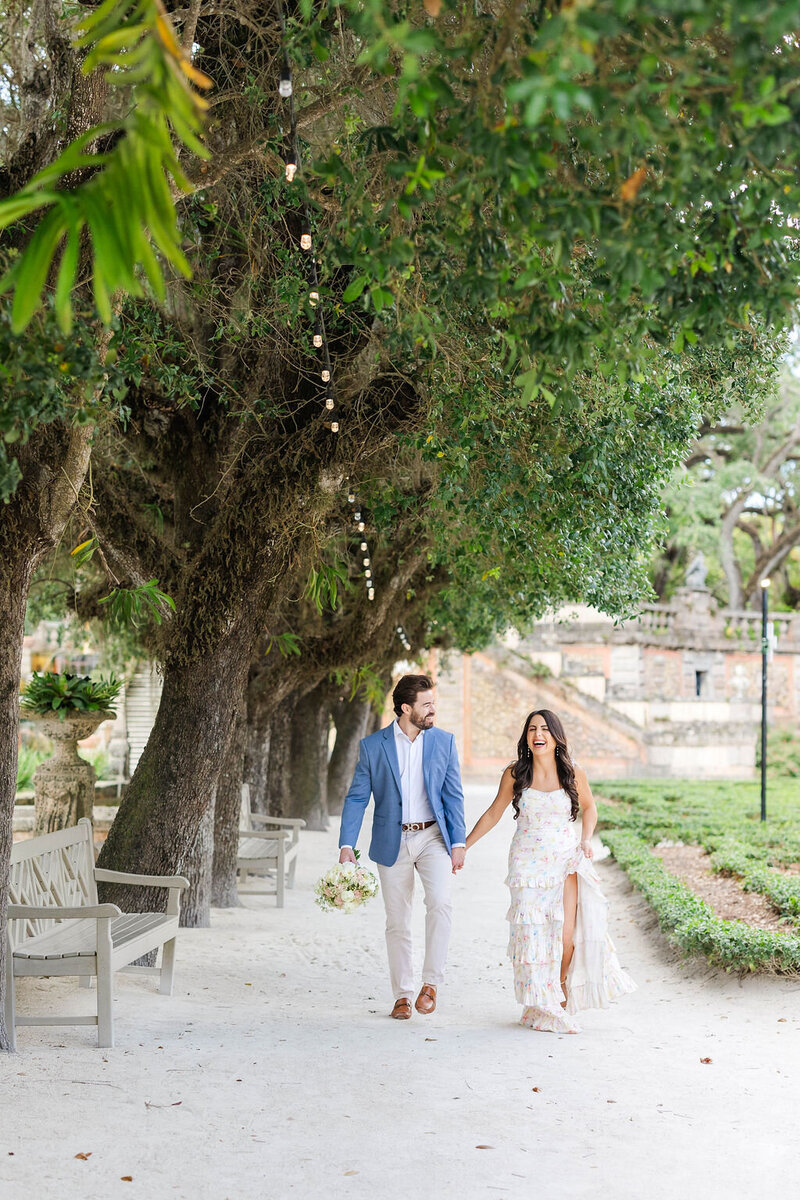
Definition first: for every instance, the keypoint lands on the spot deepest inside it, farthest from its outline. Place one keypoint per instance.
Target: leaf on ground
(536, 1089)
(126, 1178)
(351, 1172)
(430, 1039)
(484, 1147)
(706, 1060)
(83, 1157)
(781, 1020)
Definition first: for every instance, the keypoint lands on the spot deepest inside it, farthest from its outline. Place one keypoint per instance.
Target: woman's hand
(586, 847)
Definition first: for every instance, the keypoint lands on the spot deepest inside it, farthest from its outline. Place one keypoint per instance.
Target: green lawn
(724, 819)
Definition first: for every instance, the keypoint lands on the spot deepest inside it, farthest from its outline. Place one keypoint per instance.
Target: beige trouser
(425, 852)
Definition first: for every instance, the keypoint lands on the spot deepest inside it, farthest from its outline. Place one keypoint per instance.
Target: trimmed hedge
(782, 891)
(692, 923)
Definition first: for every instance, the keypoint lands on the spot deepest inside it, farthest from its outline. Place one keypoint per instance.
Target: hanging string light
(401, 633)
(292, 164)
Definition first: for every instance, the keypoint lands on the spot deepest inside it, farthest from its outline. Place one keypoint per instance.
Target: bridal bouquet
(345, 887)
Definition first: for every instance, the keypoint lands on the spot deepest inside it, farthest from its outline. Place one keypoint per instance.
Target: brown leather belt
(415, 826)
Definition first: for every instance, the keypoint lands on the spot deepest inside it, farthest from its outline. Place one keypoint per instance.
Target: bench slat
(256, 848)
(79, 938)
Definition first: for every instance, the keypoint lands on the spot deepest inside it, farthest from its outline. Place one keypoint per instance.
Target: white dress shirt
(416, 805)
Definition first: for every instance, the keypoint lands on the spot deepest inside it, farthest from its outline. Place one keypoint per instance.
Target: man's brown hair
(407, 689)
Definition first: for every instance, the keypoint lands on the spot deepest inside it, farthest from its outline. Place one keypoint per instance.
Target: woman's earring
(529, 751)
(556, 751)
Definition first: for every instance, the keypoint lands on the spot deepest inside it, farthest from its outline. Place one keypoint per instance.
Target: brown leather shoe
(401, 1010)
(426, 1000)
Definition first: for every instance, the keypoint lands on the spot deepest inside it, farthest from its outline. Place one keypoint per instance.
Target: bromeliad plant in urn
(67, 709)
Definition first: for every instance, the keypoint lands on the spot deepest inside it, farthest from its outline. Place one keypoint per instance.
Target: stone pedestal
(693, 614)
(64, 784)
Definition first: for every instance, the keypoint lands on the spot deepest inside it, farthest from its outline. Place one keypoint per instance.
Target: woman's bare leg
(568, 930)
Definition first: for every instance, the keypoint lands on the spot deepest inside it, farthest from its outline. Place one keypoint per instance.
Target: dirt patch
(725, 894)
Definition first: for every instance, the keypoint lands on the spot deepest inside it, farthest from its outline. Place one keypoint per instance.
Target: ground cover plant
(723, 818)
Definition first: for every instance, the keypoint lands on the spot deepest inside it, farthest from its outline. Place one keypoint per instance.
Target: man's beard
(422, 723)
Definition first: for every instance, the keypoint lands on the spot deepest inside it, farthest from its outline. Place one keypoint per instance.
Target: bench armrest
(287, 822)
(52, 912)
(165, 881)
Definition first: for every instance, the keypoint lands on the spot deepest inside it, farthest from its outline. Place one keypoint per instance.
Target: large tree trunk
(309, 786)
(257, 749)
(227, 816)
(165, 823)
(15, 578)
(277, 797)
(351, 718)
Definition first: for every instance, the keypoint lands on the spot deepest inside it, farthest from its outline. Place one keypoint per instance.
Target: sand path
(274, 1071)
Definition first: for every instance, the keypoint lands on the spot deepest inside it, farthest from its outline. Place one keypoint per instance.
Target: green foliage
(736, 498)
(64, 694)
(44, 378)
(365, 683)
(27, 762)
(558, 176)
(136, 606)
(324, 585)
(99, 759)
(692, 923)
(289, 645)
(706, 813)
(783, 753)
(126, 202)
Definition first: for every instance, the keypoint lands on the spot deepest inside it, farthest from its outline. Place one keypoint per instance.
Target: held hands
(457, 856)
(586, 847)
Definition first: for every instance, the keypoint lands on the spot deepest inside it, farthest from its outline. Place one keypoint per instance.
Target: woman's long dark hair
(522, 770)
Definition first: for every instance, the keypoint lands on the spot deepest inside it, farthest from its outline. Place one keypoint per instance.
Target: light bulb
(357, 515)
(313, 299)
(326, 375)
(363, 545)
(334, 426)
(329, 402)
(351, 498)
(305, 241)
(317, 340)
(366, 562)
(371, 593)
(291, 170)
(368, 574)
(285, 85)
(360, 526)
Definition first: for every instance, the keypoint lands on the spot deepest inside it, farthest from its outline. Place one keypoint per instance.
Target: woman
(564, 960)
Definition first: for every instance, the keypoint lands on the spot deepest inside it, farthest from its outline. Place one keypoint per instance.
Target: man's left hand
(457, 856)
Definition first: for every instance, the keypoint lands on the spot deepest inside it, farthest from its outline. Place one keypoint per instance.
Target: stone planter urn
(64, 784)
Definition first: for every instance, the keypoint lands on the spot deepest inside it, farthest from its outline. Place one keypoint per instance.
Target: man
(411, 770)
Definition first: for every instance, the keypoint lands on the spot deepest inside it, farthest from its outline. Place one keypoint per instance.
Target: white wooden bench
(56, 926)
(269, 852)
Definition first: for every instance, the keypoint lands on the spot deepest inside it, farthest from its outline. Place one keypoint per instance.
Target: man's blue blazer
(378, 773)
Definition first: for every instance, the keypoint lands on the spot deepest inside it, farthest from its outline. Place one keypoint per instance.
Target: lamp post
(764, 652)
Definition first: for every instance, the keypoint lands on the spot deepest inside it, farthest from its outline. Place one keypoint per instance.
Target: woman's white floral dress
(546, 849)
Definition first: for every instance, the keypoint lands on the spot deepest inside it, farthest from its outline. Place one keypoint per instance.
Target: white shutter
(142, 697)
